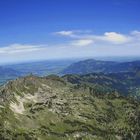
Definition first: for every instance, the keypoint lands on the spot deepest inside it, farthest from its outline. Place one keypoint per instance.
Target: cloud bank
(107, 37)
(75, 44)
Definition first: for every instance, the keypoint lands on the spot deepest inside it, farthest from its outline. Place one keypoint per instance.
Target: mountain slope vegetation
(40, 108)
(125, 83)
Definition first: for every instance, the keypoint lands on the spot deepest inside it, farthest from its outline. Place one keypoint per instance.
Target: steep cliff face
(43, 108)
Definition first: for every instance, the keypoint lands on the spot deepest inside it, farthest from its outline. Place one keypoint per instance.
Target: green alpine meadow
(53, 107)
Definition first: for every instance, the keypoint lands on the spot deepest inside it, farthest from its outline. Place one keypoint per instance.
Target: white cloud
(136, 37)
(108, 37)
(135, 33)
(116, 38)
(82, 42)
(106, 44)
(64, 33)
(72, 33)
(19, 48)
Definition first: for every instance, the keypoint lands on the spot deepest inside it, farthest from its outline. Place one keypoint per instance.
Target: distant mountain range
(8, 74)
(92, 66)
(62, 67)
(42, 68)
(8, 71)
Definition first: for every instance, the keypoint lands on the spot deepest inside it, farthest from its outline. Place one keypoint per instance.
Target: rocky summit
(53, 108)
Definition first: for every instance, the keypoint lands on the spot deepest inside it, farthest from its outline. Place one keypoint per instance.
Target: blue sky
(52, 29)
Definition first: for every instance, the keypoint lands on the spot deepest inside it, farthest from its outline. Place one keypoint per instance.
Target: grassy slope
(57, 110)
